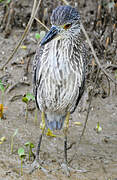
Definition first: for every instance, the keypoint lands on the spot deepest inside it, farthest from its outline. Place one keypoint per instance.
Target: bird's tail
(54, 121)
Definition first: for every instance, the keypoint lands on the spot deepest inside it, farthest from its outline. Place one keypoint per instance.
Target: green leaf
(15, 133)
(29, 96)
(29, 144)
(37, 36)
(21, 152)
(98, 128)
(2, 86)
(25, 99)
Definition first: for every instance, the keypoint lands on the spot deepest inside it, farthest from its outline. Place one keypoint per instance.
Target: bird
(59, 71)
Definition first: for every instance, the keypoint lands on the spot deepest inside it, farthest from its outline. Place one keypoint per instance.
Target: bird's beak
(50, 35)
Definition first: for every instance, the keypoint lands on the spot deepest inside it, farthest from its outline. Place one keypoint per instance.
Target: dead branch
(34, 12)
(41, 24)
(95, 56)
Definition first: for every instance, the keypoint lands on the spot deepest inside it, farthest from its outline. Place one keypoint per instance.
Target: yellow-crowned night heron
(59, 71)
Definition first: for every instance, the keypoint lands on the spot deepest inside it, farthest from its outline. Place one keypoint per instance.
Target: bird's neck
(66, 46)
(60, 52)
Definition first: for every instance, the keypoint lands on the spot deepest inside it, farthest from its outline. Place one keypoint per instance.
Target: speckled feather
(63, 14)
(59, 70)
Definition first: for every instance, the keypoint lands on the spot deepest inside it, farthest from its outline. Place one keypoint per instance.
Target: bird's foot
(36, 165)
(65, 169)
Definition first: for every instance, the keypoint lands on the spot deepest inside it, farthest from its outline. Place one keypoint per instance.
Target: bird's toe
(65, 169)
(36, 165)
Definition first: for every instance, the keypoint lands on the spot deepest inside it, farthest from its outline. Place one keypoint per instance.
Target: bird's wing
(80, 65)
(36, 67)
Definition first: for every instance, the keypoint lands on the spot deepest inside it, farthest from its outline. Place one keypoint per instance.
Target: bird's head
(65, 22)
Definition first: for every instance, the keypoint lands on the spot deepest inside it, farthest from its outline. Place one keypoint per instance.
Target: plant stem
(35, 117)
(26, 117)
(21, 166)
(11, 144)
(29, 153)
(2, 98)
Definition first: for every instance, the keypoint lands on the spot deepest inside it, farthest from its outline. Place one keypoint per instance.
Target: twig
(87, 115)
(17, 85)
(90, 100)
(70, 146)
(41, 23)
(34, 12)
(108, 90)
(9, 18)
(95, 56)
(114, 66)
(27, 67)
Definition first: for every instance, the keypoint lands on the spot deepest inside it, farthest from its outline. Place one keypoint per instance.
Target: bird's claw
(65, 169)
(36, 165)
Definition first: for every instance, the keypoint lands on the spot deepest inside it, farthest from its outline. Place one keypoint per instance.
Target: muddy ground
(96, 157)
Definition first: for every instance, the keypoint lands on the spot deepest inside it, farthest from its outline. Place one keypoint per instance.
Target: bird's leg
(65, 130)
(36, 163)
(42, 126)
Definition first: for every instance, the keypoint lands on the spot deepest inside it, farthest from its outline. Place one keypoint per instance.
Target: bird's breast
(59, 83)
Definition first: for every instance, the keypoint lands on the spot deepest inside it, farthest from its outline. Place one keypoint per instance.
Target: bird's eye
(67, 26)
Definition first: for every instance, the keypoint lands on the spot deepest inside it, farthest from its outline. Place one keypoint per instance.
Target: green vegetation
(26, 98)
(2, 89)
(22, 155)
(12, 139)
(5, 1)
(2, 139)
(98, 128)
(30, 146)
(35, 120)
(37, 36)
(1, 1)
